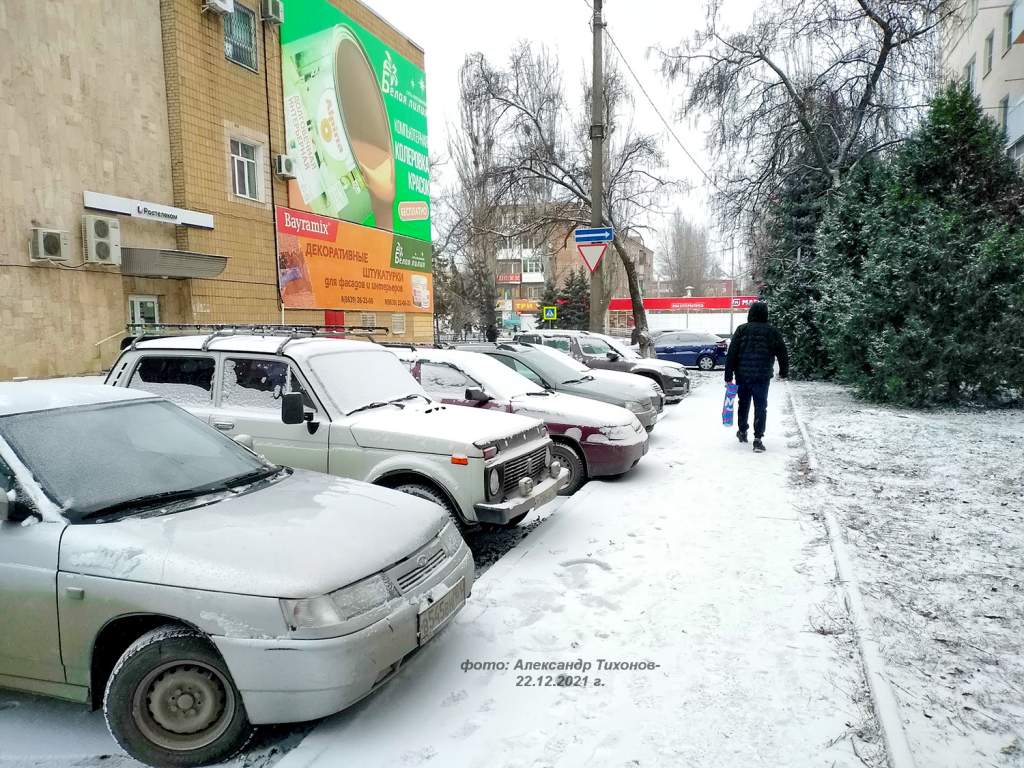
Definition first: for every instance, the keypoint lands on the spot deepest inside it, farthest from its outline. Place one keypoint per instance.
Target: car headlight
(615, 434)
(494, 482)
(325, 616)
(637, 406)
(547, 456)
(451, 539)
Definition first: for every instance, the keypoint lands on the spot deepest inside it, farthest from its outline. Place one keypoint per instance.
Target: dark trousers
(756, 389)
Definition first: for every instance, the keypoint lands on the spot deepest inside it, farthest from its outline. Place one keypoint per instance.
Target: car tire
(569, 459)
(706, 363)
(424, 491)
(143, 706)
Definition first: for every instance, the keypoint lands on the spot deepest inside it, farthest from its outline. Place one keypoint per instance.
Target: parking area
(691, 586)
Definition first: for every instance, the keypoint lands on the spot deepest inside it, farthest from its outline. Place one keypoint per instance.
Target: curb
(885, 703)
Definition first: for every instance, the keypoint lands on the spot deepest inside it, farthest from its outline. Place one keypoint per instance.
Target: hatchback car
(591, 439)
(155, 567)
(550, 369)
(597, 350)
(692, 348)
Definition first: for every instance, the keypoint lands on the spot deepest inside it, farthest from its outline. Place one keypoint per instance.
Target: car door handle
(224, 426)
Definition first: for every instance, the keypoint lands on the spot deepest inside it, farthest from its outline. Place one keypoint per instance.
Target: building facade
(157, 123)
(984, 45)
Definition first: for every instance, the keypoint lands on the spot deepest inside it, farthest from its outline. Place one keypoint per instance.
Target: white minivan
(350, 408)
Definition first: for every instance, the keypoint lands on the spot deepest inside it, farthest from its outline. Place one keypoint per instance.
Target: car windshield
(554, 366)
(355, 380)
(91, 458)
(622, 349)
(498, 379)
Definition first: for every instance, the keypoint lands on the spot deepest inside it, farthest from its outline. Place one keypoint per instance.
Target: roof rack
(143, 331)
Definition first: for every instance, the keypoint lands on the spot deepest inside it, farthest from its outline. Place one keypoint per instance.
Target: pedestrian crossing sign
(550, 313)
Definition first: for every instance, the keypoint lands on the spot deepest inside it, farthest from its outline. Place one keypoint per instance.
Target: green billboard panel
(355, 122)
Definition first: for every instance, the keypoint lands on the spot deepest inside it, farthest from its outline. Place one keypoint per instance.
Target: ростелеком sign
(140, 209)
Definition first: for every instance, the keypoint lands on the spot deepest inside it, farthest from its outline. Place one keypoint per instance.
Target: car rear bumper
(614, 458)
(501, 513)
(291, 681)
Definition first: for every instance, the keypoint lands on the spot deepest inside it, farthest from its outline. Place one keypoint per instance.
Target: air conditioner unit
(284, 167)
(272, 11)
(101, 237)
(49, 245)
(220, 7)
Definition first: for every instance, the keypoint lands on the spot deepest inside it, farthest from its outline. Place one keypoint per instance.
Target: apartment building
(149, 160)
(984, 45)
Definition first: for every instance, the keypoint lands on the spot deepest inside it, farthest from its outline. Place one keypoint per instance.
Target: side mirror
(477, 395)
(5, 507)
(293, 410)
(612, 356)
(12, 510)
(245, 441)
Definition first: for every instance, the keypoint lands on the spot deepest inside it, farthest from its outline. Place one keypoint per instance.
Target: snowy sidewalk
(696, 562)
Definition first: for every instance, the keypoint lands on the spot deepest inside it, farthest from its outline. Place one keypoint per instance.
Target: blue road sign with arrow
(594, 235)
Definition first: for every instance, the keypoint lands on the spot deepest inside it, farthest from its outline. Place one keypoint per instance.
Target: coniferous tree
(574, 312)
(922, 302)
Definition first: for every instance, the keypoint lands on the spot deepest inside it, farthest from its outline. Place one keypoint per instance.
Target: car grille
(419, 573)
(528, 465)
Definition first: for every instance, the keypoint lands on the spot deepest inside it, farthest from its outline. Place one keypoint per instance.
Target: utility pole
(732, 283)
(598, 300)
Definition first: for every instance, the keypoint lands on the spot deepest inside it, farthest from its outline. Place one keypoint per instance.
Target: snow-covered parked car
(596, 350)
(554, 370)
(592, 439)
(155, 567)
(350, 408)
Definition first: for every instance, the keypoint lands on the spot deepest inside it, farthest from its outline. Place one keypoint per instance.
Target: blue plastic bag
(729, 405)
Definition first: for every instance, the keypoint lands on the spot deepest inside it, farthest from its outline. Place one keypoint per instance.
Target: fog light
(556, 468)
(526, 486)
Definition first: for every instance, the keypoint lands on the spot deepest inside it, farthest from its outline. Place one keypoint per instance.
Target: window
(187, 380)
(989, 44)
(1004, 111)
(244, 169)
(398, 324)
(533, 265)
(143, 310)
(521, 369)
(595, 347)
(969, 73)
(259, 383)
(561, 343)
(368, 319)
(240, 37)
(445, 382)
(1008, 29)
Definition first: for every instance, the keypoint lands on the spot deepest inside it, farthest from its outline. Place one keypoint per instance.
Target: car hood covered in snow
(435, 428)
(661, 366)
(611, 386)
(301, 536)
(569, 409)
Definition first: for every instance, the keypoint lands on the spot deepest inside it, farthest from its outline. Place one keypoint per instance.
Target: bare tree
(810, 87)
(684, 258)
(542, 155)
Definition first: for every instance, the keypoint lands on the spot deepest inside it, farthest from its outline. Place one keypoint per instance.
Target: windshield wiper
(409, 397)
(397, 402)
(545, 393)
(248, 477)
(579, 380)
(149, 500)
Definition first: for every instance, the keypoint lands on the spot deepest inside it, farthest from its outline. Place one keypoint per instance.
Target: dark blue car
(695, 349)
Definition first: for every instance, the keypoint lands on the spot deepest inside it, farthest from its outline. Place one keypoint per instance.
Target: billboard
(325, 263)
(355, 115)
(685, 303)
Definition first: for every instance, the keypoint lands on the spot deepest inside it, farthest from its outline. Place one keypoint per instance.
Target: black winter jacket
(754, 348)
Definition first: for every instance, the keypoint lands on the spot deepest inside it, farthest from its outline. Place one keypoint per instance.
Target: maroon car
(591, 438)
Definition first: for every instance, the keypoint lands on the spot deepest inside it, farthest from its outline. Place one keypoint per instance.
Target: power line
(657, 111)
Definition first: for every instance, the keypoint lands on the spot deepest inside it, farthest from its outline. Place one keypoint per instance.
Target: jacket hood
(758, 312)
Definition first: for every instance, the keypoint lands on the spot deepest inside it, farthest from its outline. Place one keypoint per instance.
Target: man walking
(752, 353)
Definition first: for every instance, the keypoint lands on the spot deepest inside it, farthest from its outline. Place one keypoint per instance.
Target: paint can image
(338, 128)
(420, 291)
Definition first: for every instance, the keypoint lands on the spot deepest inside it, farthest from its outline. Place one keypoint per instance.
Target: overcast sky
(449, 29)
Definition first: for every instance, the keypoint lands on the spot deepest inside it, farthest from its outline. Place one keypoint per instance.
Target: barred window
(398, 324)
(368, 319)
(240, 37)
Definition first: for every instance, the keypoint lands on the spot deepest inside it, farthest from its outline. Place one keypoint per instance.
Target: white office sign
(140, 209)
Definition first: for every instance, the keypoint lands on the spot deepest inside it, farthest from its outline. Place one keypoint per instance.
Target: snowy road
(696, 562)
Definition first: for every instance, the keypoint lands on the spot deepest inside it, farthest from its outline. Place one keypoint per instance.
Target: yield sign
(592, 253)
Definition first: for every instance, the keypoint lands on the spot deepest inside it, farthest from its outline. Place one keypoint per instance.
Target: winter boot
(741, 435)
(758, 445)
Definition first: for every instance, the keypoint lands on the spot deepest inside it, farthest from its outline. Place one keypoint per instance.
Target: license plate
(439, 611)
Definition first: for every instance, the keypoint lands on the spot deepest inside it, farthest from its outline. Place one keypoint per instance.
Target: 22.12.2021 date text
(558, 681)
